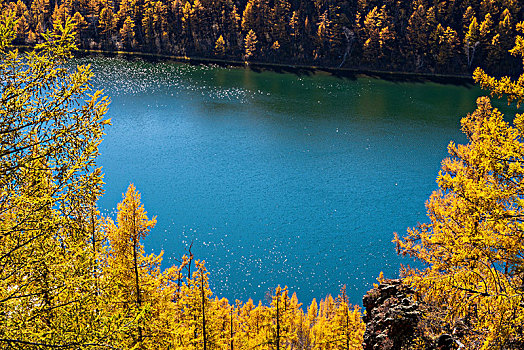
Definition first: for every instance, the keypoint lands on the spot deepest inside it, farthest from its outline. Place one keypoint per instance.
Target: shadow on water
(402, 77)
(354, 74)
(298, 70)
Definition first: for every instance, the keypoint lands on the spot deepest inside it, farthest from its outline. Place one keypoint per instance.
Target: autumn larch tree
(220, 46)
(135, 287)
(250, 44)
(473, 246)
(49, 184)
(127, 252)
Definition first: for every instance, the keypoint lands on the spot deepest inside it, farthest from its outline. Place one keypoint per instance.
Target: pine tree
(194, 310)
(106, 25)
(445, 45)
(417, 35)
(41, 15)
(347, 326)
(148, 24)
(280, 14)
(22, 24)
(378, 35)
(79, 27)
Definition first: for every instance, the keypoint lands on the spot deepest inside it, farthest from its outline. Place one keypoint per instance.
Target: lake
(297, 180)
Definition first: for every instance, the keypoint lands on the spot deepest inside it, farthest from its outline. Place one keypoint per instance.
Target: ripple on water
(275, 178)
(118, 77)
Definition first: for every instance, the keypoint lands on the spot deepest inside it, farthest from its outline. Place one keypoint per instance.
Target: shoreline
(298, 69)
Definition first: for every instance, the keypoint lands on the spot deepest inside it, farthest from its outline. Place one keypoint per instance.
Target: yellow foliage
(472, 247)
(71, 280)
(49, 183)
(250, 43)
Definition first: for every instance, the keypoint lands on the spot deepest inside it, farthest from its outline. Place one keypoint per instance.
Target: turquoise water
(276, 178)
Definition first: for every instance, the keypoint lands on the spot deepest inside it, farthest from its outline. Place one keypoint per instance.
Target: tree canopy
(451, 37)
(473, 246)
(50, 128)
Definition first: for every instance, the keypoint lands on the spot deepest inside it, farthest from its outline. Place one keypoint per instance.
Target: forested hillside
(431, 36)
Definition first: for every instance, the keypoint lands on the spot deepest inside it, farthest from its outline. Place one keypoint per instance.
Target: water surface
(276, 178)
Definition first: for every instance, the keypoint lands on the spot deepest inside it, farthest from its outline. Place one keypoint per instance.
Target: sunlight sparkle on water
(275, 178)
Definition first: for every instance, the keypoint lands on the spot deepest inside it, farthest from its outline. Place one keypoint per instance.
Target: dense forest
(71, 278)
(431, 36)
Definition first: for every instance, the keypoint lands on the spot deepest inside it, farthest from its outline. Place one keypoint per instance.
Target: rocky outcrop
(392, 316)
(395, 320)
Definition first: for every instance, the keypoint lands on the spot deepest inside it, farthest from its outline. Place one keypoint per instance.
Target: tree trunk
(231, 327)
(135, 261)
(203, 310)
(278, 323)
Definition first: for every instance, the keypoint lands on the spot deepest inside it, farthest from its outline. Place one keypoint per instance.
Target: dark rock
(445, 342)
(391, 316)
